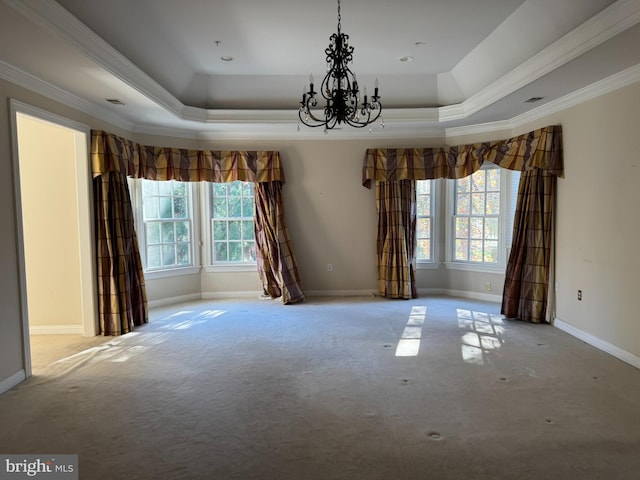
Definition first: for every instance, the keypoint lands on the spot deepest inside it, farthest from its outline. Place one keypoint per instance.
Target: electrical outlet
(579, 294)
(329, 267)
(488, 286)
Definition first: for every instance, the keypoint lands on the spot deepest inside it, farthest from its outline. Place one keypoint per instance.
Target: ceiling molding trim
(607, 85)
(595, 31)
(59, 22)
(30, 82)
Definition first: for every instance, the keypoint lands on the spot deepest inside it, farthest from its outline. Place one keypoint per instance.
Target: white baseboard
(228, 295)
(600, 344)
(341, 293)
(12, 381)
(173, 300)
(56, 330)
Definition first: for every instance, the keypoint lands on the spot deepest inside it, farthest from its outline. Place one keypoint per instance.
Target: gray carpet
(256, 390)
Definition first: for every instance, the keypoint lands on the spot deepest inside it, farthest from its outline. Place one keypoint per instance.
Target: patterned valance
(541, 149)
(112, 153)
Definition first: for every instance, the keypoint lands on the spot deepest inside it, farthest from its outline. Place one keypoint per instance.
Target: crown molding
(611, 21)
(607, 85)
(30, 82)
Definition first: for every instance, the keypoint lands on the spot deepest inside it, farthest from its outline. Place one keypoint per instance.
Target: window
(424, 226)
(477, 217)
(232, 234)
(167, 224)
(483, 205)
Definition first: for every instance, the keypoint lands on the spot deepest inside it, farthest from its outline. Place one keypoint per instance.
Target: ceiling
(474, 61)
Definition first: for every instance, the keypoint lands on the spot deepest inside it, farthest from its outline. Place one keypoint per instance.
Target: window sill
(469, 267)
(171, 272)
(231, 268)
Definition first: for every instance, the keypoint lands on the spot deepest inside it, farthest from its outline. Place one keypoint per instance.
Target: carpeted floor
(335, 388)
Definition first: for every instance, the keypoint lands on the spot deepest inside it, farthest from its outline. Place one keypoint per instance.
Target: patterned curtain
(396, 205)
(276, 264)
(115, 157)
(527, 278)
(121, 290)
(536, 153)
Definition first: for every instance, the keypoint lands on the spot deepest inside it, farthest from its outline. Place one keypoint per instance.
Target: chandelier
(340, 90)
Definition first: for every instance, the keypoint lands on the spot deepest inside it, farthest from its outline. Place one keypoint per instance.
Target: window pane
(477, 204)
(154, 257)
(219, 229)
(462, 227)
(235, 230)
(477, 224)
(424, 249)
(168, 255)
(180, 188)
(220, 252)
(463, 205)
(475, 250)
(165, 207)
(493, 203)
(235, 207)
(220, 207)
(463, 184)
(219, 189)
(423, 228)
(234, 189)
(149, 187)
(493, 180)
(247, 189)
(491, 228)
(247, 230)
(182, 232)
(249, 252)
(247, 207)
(179, 207)
(235, 251)
(424, 204)
(462, 249)
(423, 187)
(478, 181)
(184, 258)
(165, 188)
(491, 251)
(153, 232)
(168, 234)
(150, 210)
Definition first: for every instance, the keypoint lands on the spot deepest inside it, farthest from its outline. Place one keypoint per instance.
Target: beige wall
(50, 223)
(332, 220)
(598, 224)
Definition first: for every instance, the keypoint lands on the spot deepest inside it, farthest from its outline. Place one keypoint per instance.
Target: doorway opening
(53, 201)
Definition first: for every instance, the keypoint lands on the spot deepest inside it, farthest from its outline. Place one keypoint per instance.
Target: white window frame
(135, 188)
(434, 262)
(206, 199)
(508, 196)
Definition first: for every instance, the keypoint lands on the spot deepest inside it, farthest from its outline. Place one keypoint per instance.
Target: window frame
(508, 196)
(137, 200)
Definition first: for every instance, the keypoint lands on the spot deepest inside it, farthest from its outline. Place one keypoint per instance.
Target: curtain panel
(117, 157)
(538, 154)
(396, 244)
